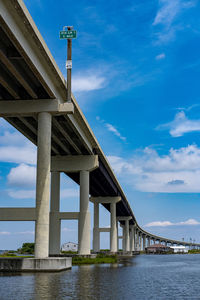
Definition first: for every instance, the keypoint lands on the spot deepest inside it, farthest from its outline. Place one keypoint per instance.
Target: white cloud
(119, 164)
(14, 154)
(147, 171)
(86, 83)
(189, 222)
(22, 194)
(14, 147)
(159, 224)
(23, 175)
(181, 125)
(168, 223)
(160, 56)
(111, 128)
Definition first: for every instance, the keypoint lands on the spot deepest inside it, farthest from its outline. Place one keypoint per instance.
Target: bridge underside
(20, 80)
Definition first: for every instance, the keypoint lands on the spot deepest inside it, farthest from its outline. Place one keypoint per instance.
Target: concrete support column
(144, 242)
(149, 241)
(140, 241)
(127, 239)
(54, 232)
(132, 238)
(123, 240)
(43, 185)
(113, 228)
(96, 233)
(117, 236)
(136, 240)
(84, 215)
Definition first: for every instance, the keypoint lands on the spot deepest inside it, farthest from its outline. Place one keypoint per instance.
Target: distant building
(70, 246)
(157, 249)
(179, 249)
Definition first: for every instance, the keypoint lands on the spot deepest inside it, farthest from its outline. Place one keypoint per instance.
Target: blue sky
(136, 70)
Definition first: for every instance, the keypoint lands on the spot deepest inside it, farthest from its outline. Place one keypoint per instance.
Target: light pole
(69, 66)
(68, 34)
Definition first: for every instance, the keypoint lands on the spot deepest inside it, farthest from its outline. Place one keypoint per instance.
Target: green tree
(27, 248)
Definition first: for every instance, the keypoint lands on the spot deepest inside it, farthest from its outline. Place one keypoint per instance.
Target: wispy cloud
(88, 82)
(22, 194)
(111, 128)
(147, 171)
(181, 125)
(5, 233)
(188, 108)
(165, 20)
(167, 12)
(168, 223)
(17, 232)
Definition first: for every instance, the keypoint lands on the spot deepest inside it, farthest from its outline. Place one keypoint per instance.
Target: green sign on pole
(68, 34)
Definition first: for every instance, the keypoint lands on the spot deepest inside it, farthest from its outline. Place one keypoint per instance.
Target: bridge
(33, 97)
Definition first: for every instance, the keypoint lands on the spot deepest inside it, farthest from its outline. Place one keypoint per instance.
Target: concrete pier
(113, 228)
(43, 185)
(84, 215)
(127, 240)
(144, 242)
(55, 223)
(113, 222)
(96, 233)
(132, 238)
(53, 264)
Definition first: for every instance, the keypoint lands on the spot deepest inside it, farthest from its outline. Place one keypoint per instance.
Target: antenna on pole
(68, 34)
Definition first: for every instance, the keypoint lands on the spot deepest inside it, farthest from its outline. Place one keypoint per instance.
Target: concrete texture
(113, 229)
(96, 233)
(55, 224)
(127, 239)
(35, 264)
(43, 185)
(84, 215)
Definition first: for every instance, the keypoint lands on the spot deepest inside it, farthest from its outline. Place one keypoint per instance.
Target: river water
(144, 277)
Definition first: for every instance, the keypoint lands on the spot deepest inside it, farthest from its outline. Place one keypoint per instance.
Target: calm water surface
(166, 277)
